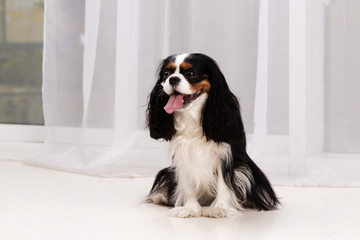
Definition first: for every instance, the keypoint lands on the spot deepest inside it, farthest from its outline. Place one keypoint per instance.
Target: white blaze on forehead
(179, 60)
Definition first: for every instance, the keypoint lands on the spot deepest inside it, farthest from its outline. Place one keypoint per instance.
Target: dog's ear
(221, 114)
(160, 123)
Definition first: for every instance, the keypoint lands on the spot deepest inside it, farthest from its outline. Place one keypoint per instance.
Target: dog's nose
(174, 81)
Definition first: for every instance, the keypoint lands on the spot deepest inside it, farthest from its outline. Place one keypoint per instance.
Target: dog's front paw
(215, 212)
(185, 212)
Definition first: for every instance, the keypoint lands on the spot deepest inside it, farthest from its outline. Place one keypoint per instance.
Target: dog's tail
(261, 194)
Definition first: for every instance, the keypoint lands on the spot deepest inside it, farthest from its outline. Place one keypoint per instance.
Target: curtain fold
(261, 98)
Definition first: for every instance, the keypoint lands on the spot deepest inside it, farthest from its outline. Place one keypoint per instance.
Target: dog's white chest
(197, 161)
(195, 152)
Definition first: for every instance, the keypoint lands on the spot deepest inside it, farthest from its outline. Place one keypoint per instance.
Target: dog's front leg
(225, 202)
(186, 205)
(191, 209)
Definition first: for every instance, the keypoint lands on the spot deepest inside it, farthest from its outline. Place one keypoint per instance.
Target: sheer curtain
(89, 87)
(100, 60)
(284, 60)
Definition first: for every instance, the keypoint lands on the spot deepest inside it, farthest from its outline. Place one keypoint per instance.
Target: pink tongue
(175, 102)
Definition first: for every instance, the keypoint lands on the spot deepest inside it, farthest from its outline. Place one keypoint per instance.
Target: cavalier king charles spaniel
(211, 174)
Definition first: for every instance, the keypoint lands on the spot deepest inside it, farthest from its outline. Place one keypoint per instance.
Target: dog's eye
(191, 74)
(166, 73)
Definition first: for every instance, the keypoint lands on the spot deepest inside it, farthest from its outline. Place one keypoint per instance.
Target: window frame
(22, 133)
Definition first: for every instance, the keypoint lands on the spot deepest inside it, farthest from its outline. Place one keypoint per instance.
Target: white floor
(37, 203)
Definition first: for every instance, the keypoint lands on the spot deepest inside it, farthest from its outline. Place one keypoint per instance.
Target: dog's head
(184, 79)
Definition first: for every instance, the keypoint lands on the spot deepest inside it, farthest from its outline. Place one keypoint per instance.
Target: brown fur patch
(185, 66)
(203, 85)
(171, 66)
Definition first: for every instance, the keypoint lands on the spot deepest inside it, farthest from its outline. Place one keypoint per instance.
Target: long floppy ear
(160, 123)
(221, 114)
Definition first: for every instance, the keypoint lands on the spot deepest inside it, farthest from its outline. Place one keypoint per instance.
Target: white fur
(198, 167)
(179, 60)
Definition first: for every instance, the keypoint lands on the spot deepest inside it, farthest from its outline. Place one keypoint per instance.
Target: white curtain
(100, 60)
(284, 60)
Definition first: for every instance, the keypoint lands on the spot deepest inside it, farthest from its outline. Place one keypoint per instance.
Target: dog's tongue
(175, 102)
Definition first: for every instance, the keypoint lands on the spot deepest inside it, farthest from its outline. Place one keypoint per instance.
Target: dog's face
(184, 78)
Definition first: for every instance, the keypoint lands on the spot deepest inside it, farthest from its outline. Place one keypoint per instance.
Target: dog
(211, 174)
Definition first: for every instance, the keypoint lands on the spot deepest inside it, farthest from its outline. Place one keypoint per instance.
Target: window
(21, 44)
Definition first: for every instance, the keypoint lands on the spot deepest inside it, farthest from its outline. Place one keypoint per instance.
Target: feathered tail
(262, 194)
(251, 186)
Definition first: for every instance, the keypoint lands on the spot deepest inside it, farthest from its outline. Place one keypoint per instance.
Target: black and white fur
(211, 173)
